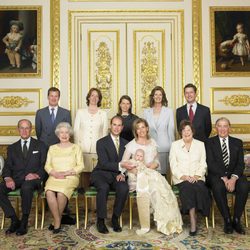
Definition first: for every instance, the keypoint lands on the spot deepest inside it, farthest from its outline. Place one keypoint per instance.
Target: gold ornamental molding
(125, 1)
(12, 131)
(197, 47)
(55, 44)
(14, 102)
(236, 129)
(236, 100)
(3, 151)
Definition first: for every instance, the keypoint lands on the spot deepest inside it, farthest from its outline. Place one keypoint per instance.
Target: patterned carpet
(71, 238)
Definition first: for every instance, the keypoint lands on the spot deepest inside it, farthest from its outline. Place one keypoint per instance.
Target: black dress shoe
(21, 230)
(67, 220)
(228, 228)
(56, 230)
(13, 227)
(115, 224)
(193, 233)
(101, 227)
(238, 227)
(51, 227)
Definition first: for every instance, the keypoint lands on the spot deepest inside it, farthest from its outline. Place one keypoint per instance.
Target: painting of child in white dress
(231, 30)
(20, 36)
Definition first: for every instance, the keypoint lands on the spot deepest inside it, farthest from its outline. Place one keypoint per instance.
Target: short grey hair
(63, 125)
(222, 119)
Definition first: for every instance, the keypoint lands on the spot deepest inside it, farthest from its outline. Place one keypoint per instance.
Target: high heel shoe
(193, 233)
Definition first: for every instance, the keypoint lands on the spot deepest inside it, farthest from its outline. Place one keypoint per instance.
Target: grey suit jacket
(45, 130)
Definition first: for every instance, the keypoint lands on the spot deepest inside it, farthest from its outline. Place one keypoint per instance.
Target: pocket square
(35, 152)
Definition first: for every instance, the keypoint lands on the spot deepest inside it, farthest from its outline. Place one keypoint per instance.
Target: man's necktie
(25, 149)
(117, 144)
(191, 113)
(225, 153)
(52, 115)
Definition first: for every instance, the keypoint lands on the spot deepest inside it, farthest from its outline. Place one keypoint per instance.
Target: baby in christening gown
(138, 162)
(153, 191)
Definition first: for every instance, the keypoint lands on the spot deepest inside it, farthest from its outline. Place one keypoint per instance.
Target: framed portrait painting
(230, 34)
(20, 41)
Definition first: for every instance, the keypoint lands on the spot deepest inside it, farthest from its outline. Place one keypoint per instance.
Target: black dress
(128, 126)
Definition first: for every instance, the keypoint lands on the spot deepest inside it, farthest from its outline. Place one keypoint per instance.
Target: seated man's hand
(32, 176)
(120, 177)
(225, 179)
(9, 182)
(231, 184)
(128, 165)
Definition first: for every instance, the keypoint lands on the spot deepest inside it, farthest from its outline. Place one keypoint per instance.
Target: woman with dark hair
(91, 124)
(188, 166)
(125, 111)
(152, 189)
(161, 125)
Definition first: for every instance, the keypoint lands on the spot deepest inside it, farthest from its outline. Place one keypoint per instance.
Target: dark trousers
(27, 188)
(220, 195)
(104, 182)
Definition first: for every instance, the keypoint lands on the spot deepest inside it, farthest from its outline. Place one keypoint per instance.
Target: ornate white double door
(126, 53)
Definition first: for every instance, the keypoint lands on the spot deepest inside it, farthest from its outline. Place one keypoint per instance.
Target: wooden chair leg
(121, 220)
(3, 220)
(245, 216)
(43, 212)
(206, 220)
(86, 213)
(77, 213)
(130, 212)
(36, 212)
(213, 220)
(17, 207)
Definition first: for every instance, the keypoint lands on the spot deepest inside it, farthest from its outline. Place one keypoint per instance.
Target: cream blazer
(184, 162)
(89, 128)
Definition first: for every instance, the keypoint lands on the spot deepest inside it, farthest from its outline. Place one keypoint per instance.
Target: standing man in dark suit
(225, 162)
(49, 117)
(106, 175)
(24, 169)
(198, 114)
(45, 122)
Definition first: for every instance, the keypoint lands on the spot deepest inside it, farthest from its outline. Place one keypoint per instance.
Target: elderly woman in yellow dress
(64, 165)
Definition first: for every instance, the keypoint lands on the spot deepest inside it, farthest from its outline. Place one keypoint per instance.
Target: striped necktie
(225, 155)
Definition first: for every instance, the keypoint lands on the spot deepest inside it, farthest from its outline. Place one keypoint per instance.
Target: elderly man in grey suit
(46, 121)
(48, 118)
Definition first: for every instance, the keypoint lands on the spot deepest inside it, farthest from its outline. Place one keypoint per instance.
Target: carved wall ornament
(236, 100)
(149, 71)
(103, 74)
(14, 102)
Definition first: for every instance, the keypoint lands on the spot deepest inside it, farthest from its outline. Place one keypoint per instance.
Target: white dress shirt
(27, 144)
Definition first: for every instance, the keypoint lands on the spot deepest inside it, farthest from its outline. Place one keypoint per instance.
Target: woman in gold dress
(64, 165)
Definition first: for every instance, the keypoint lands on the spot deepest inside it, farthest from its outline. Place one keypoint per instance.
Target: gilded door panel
(149, 60)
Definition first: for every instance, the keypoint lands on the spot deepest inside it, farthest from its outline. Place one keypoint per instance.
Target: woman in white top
(188, 166)
(161, 125)
(91, 124)
(152, 188)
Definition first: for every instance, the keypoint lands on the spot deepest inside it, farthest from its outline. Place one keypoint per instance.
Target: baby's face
(139, 156)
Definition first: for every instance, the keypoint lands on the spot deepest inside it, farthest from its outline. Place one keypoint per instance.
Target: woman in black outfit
(125, 110)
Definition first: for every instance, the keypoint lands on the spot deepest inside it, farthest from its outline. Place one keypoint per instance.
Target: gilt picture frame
(20, 41)
(230, 34)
